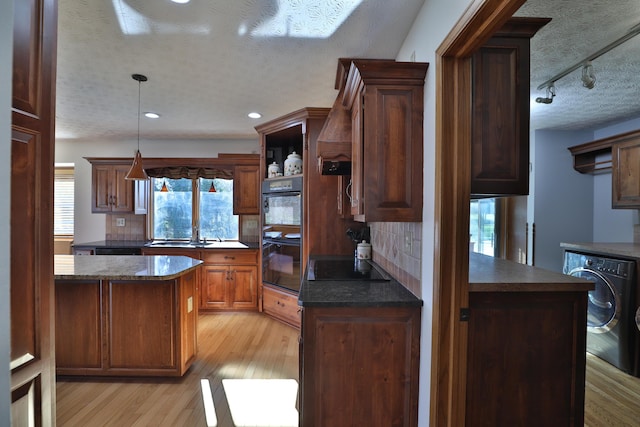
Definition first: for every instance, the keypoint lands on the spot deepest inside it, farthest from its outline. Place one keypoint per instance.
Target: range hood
(334, 140)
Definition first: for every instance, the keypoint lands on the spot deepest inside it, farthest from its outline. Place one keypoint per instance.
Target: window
(63, 196)
(190, 205)
(482, 227)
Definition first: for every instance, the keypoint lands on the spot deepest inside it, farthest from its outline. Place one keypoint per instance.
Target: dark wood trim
(223, 161)
(451, 252)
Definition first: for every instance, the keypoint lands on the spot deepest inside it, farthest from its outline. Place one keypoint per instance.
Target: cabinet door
(122, 190)
(357, 206)
(101, 176)
(215, 284)
(392, 153)
(246, 190)
(500, 129)
(244, 289)
(151, 307)
(625, 158)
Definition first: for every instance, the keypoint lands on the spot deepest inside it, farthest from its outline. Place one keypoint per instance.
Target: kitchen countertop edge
(489, 274)
(122, 267)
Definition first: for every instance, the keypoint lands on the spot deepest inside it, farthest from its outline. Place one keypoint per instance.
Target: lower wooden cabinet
(526, 359)
(281, 304)
(126, 328)
(229, 280)
(359, 366)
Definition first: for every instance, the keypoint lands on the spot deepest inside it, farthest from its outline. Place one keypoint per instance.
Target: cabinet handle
(229, 257)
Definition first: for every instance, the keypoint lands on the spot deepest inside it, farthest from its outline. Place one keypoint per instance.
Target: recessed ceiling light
(180, 1)
(151, 115)
(254, 115)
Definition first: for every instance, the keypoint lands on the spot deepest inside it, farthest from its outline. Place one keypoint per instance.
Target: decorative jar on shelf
(274, 170)
(293, 164)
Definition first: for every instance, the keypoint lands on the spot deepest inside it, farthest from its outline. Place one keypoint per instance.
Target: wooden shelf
(585, 156)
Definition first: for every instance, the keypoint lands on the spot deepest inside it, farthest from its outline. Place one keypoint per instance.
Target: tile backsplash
(396, 247)
(133, 229)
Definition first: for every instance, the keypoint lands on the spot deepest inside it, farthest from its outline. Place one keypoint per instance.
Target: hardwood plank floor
(612, 397)
(230, 346)
(252, 345)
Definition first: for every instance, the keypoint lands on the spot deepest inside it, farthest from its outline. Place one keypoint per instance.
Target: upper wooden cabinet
(625, 158)
(385, 98)
(500, 117)
(110, 192)
(246, 190)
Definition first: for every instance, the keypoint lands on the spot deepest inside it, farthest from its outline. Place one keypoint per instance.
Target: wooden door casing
(32, 146)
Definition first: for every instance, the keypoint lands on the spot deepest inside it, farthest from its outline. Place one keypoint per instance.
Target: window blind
(63, 195)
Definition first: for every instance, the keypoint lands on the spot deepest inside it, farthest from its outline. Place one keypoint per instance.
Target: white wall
(612, 225)
(90, 227)
(433, 23)
(6, 58)
(562, 198)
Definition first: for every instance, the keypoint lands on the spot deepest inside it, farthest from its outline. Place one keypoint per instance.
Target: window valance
(177, 172)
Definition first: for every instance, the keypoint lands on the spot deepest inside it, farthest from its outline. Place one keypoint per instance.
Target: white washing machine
(612, 334)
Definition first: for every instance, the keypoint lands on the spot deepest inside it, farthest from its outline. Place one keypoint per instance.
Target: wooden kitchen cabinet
(386, 102)
(625, 158)
(126, 327)
(359, 366)
(112, 193)
(229, 280)
(526, 358)
(281, 304)
(246, 190)
(500, 118)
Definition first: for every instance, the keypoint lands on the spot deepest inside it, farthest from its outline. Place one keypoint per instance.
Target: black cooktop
(343, 269)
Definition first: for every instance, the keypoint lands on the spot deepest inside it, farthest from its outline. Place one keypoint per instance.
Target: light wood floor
(251, 345)
(612, 398)
(231, 346)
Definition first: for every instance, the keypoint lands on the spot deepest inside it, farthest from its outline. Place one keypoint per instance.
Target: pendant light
(137, 171)
(164, 188)
(212, 189)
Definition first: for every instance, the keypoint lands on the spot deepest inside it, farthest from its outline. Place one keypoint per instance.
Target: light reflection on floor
(262, 402)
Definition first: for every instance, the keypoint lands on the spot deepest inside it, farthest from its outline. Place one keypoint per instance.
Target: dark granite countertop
(354, 293)
(122, 267)
(147, 243)
(112, 244)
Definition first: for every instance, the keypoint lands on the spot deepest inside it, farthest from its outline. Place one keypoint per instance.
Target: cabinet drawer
(230, 256)
(281, 305)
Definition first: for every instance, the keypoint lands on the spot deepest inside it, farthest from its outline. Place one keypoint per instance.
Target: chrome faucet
(195, 234)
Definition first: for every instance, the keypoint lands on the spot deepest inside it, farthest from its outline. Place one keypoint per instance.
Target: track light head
(551, 93)
(588, 76)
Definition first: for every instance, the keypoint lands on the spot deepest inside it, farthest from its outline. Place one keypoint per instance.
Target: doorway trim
(453, 186)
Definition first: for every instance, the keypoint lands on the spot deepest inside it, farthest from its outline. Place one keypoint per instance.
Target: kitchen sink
(207, 245)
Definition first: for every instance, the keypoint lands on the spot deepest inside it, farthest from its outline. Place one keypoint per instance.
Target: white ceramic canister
(293, 164)
(363, 250)
(273, 170)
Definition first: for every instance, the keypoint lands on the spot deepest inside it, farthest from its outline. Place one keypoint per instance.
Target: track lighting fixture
(588, 77)
(551, 92)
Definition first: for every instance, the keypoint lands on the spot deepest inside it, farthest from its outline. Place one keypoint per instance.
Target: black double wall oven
(282, 232)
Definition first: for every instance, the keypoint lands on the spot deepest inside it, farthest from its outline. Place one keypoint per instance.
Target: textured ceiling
(210, 62)
(579, 29)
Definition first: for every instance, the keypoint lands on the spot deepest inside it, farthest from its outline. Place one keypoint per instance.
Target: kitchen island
(359, 348)
(125, 315)
(526, 350)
